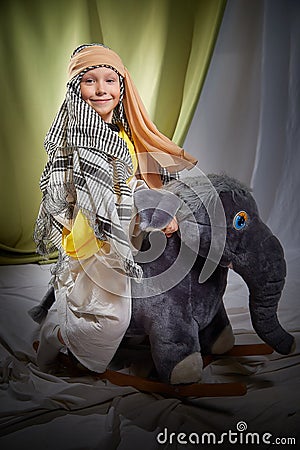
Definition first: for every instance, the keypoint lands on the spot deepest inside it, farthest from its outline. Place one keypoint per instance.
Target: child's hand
(171, 227)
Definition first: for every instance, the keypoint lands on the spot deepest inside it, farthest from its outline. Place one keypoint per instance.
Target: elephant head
(219, 227)
(250, 249)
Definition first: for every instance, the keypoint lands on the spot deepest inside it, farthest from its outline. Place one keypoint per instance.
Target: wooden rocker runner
(183, 390)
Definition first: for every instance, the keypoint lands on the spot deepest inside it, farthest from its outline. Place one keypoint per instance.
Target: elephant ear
(156, 208)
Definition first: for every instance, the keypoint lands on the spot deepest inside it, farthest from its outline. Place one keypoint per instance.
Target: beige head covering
(147, 139)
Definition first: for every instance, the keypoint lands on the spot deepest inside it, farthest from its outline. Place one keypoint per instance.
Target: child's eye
(110, 80)
(88, 81)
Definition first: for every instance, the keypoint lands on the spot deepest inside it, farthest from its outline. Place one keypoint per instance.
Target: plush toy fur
(179, 303)
(185, 318)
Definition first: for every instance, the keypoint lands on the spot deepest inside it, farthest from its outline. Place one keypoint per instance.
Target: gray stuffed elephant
(179, 303)
(178, 307)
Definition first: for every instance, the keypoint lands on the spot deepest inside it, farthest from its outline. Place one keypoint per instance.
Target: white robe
(93, 301)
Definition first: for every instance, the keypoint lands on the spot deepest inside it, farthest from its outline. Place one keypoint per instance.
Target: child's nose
(100, 88)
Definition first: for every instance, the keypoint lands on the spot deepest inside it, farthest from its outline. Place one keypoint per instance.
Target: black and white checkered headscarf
(88, 165)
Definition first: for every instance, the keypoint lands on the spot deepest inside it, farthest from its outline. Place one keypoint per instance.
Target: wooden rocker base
(181, 390)
(239, 351)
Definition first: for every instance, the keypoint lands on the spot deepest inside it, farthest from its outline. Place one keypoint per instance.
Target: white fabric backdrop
(247, 122)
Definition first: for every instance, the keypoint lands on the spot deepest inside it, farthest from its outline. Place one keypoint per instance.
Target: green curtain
(166, 45)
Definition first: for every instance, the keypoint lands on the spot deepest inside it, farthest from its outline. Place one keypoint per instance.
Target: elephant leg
(217, 337)
(188, 370)
(176, 354)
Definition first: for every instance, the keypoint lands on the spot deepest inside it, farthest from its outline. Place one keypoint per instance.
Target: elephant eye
(240, 220)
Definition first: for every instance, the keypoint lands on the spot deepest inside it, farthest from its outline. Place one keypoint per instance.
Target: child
(101, 146)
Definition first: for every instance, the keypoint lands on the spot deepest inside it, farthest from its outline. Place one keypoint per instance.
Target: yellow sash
(81, 242)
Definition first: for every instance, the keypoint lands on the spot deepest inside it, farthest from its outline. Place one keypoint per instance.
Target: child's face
(100, 88)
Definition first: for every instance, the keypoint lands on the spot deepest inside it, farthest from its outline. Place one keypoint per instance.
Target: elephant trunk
(264, 272)
(263, 311)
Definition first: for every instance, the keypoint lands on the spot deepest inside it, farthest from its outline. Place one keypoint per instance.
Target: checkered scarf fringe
(88, 165)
